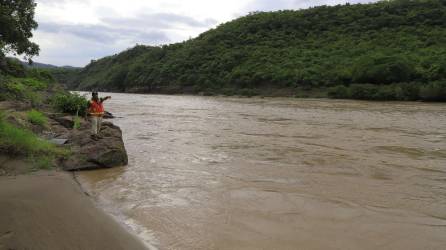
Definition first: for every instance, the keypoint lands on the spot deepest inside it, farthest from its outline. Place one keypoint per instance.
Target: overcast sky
(73, 32)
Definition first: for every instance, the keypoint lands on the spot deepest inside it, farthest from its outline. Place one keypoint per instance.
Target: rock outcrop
(89, 152)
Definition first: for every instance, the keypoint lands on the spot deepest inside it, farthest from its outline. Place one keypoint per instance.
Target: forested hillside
(386, 50)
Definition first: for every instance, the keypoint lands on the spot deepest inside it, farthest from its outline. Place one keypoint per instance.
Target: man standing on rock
(96, 111)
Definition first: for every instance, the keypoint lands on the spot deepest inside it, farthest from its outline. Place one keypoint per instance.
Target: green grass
(31, 83)
(22, 89)
(37, 118)
(77, 122)
(21, 142)
(42, 162)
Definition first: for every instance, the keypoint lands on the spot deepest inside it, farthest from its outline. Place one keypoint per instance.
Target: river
(277, 173)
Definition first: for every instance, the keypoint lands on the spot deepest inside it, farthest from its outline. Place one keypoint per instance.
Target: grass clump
(43, 162)
(77, 122)
(23, 89)
(37, 118)
(22, 142)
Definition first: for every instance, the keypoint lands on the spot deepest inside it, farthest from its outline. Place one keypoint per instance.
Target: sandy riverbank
(48, 210)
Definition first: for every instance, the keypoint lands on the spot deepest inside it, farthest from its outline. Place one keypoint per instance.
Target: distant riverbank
(389, 50)
(430, 92)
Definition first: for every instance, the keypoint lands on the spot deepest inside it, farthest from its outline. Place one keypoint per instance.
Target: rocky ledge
(104, 152)
(89, 152)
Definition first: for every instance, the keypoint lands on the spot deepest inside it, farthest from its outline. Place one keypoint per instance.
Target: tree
(378, 69)
(395, 45)
(17, 23)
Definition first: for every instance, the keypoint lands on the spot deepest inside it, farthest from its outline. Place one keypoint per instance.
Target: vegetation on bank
(394, 48)
(28, 93)
(71, 103)
(16, 141)
(37, 118)
(434, 91)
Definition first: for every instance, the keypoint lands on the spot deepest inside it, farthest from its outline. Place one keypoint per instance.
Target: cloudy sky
(73, 32)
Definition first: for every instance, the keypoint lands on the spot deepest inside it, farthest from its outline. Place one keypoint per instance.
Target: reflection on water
(230, 173)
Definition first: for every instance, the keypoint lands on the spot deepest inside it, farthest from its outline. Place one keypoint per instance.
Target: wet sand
(48, 210)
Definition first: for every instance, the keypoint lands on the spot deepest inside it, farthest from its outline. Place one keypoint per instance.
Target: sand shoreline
(49, 210)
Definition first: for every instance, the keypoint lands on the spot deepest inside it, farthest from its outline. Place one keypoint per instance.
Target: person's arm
(105, 98)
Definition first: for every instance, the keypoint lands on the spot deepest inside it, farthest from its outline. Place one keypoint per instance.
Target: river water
(277, 173)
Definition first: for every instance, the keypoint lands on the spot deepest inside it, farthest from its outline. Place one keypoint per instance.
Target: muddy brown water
(277, 173)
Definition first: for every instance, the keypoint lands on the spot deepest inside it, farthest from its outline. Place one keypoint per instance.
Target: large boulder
(91, 153)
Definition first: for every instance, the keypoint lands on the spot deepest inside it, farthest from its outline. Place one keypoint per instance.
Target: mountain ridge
(383, 43)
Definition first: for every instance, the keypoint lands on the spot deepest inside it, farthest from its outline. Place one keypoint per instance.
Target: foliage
(408, 92)
(434, 91)
(247, 92)
(11, 67)
(339, 92)
(63, 75)
(380, 43)
(24, 84)
(77, 122)
(24, 89)
(382, 70)
(28, 87)
(42, 75)
(43, 162)
(37, 118)
(71, 103)
(363, 91)
(18, 141)
(17, 22)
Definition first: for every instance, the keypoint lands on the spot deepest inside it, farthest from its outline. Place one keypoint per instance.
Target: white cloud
(72, 32)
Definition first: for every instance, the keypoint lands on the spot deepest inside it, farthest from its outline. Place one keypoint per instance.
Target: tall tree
(16, 25)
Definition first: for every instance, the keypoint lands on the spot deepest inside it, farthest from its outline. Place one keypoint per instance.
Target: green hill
(386, 50)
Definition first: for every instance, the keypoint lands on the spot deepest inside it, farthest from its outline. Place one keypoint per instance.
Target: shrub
(33, 83)
(407, 91)
(13, 67)
(382, 70)
(70, 103)
(43, 162)
(21, 89)
(397, 91)
(384, 93)
(16, 89)
(37, 118)
(40, 74)
(248, 92)
(434, 91)
(228, 91)
(339, 92)
(363, 91)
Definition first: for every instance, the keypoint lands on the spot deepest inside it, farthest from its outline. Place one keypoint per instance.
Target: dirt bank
(48, 210)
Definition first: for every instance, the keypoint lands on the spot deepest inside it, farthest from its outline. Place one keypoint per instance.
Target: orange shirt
(96, 108)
